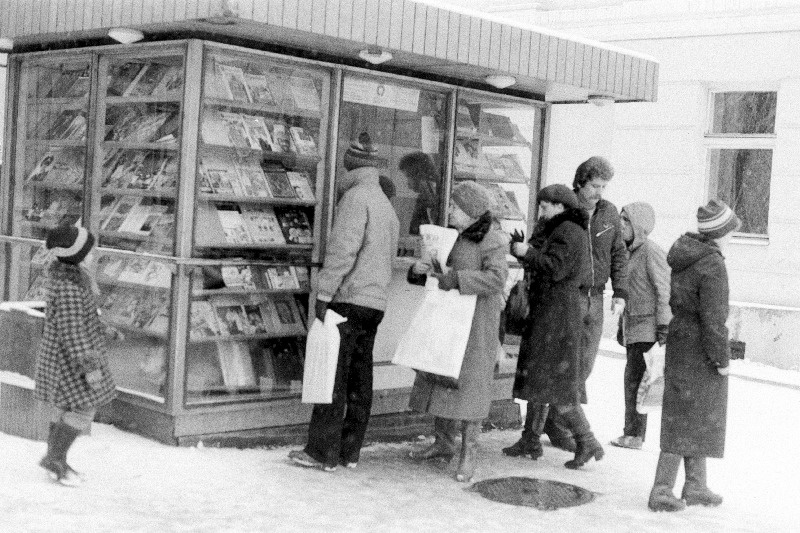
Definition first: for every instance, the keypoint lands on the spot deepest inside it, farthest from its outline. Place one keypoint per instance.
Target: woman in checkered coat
(71, 369)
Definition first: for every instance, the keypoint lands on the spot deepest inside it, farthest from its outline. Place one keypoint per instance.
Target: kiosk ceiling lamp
(499, 81)
(376, 56)
(600, 100)
(125, 35)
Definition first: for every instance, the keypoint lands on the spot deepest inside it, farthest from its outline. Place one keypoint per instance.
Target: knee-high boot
(59, 440)
(586, 445)
(469, 450)
(695, 491)
(444, 443)
(661, 497)
(529, 443)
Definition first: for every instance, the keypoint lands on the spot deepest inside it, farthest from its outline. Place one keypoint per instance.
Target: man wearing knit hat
(694, 412)
(72, 371)
(353, 283)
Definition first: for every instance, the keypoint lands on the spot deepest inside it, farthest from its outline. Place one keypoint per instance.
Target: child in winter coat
(695, 406)
(477, 266)
(646, 316)
(71, 369)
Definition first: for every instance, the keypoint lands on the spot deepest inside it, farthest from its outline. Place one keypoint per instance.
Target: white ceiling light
(125, 35)
(500, 81)
(600, 100)
(376, 56)
(6, 44)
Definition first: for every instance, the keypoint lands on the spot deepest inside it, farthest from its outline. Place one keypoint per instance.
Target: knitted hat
(472, 198)
(716, 219)
(558, 194)
(69, 244)
(362, 153)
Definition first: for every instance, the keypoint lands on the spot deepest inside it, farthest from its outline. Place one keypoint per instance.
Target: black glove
(661, 334)
(319, 309)
(447, 281)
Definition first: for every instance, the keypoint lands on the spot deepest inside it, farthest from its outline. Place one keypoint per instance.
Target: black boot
(695, 491)
(60, 440)
(469, 450)
(661, 497)
(559, 435)
(529, 443)
(586, 445)
(50, 462)
(444, 444)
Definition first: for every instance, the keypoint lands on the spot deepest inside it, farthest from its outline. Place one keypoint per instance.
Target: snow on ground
(136, 484)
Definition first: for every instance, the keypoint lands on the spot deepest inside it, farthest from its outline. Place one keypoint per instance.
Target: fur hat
(362, 153)
(472, 198)
(70, 244)
(558, 194)
(716, 219)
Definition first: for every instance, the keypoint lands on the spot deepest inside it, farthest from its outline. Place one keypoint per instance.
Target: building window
(739, 144)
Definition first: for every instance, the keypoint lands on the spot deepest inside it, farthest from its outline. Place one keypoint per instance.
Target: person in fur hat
(352, 282)
(694, 411)
(645, 319)
(72, 370)
(551, 376)
(477, 266)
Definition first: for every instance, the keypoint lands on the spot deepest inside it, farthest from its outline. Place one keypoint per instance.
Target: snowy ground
(139, 485)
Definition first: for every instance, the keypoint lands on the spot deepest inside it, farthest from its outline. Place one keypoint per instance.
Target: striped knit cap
(362, 153)
(69, 244)
(716, 219)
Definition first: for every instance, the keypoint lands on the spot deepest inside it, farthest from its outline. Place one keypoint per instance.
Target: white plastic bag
(322, 355)
(650, 395)
(436, 339)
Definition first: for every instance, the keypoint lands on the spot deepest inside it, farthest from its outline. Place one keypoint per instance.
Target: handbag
(650, 395)
(517, 307)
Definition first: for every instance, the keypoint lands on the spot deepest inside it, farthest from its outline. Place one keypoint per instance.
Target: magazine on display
(261, 91)
(295, 225)
(281, 138)
(236, 364)
(234, 83)
(233, 224)
(263, 225)
(282, 277)
(303, 142)
(202, 320)
(253, 179)
(301, 183)
(304, 93)
(238, 276)
(278, 181)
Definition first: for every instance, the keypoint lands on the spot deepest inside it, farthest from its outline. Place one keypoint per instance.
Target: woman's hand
(723, 370)
(420, 267)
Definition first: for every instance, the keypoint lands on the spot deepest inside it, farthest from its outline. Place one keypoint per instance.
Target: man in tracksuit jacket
(353, 282)
(608, 257)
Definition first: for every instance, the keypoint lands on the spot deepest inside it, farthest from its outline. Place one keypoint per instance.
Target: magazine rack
(200, 168)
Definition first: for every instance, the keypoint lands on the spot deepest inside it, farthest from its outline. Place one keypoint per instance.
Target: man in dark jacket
(608, 258)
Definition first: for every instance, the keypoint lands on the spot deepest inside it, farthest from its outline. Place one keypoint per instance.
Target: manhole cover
(543, 494)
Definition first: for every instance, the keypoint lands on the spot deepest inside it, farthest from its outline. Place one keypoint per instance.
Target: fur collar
(478, 230)
(578, 216)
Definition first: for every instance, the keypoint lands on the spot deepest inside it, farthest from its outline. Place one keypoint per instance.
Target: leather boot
(529, 443)
(63, 439)
(559, 435)
(469, 450)
(586, 445)
(695, 491)
(661, 497)
(50, 461)
(444, 443)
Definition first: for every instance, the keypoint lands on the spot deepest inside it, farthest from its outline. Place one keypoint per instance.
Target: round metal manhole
(543, 494)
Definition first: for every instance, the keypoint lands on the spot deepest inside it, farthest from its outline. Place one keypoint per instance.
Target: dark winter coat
(609, 256)
(549, 364)
(695, 394)
(647, 305)
(481, 269)
(73, 343)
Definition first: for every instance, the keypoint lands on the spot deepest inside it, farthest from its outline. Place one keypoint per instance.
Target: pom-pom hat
(716, 219)
(70, 244)
(362, 153)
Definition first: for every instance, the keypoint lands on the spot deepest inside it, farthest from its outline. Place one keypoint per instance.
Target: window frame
(736, 141)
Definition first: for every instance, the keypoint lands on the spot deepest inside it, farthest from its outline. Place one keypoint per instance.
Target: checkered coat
(73, 343)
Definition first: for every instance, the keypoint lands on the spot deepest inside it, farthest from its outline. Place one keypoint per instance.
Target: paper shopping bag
(322, 356)
(650, 395)
(436, 339)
